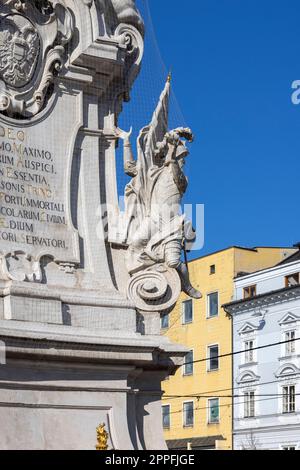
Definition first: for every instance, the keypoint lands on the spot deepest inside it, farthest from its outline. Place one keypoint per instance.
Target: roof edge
(227, 307)
(237, 247)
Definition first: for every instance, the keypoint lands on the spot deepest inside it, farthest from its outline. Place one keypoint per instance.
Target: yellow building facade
(197, 403)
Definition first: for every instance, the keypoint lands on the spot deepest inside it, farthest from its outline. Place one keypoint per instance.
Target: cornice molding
(263, 300)
(247, 377)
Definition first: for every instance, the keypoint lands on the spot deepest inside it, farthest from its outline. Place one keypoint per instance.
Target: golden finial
(102, 437)
(169, 77)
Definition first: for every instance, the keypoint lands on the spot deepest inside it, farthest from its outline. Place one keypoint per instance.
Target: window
(212, 269)
(249, 292)
(166, 416)
(290, 346)
(289, 448)
(249, 402)
(213, 357)
(249, 353)
(292, 280)
(164, 321)
(288, 405)
(213, 304)
(187, 312)
(188, 414)
(188, 367)
(213, 410)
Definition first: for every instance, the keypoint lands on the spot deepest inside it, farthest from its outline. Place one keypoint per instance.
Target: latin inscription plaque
(35, 167)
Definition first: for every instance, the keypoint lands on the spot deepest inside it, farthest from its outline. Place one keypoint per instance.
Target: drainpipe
(232, 384)
(232, 376)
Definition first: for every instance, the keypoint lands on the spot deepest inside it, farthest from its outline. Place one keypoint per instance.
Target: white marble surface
(77, 352)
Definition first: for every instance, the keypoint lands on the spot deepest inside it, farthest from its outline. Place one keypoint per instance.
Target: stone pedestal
(61, 382)
(77, 351)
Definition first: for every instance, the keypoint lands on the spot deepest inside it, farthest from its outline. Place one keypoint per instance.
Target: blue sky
(233, 63)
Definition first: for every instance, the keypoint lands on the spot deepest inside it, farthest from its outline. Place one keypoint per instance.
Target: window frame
(209, 410)
(253, 286)
(208, 304)
(183, 322)
(161, 324)
(248, 351)
(165, 406)
(183, 414)
(183, 369)
(286, 279)
(289, 401)
(208, 368)
(248, 405)
(292, 344)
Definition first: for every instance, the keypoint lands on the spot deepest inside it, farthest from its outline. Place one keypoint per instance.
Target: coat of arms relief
(33, 39)
(19, 50)
(33, 36)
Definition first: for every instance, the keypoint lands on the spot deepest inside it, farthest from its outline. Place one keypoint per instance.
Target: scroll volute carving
(131, 39)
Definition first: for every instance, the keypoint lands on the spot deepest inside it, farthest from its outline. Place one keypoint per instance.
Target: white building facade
(266, 360)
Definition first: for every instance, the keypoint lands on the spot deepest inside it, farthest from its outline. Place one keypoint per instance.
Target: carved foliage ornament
(18, 266)
(32, 39)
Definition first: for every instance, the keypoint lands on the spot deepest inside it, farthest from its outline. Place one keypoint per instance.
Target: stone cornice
(269, 428)
(65, 343)
(263, 300)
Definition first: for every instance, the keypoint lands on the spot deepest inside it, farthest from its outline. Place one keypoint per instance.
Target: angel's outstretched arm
(128, 158)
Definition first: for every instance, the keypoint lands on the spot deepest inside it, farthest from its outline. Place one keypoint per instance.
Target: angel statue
(155, 229)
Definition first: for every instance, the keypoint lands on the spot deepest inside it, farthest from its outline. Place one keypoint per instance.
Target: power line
(235, 396)
(229, 404)
(241, 352)
(204, 394)
(220, 406)
(219, 390)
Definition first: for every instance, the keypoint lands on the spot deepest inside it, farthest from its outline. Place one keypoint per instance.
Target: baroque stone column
(79, 352)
